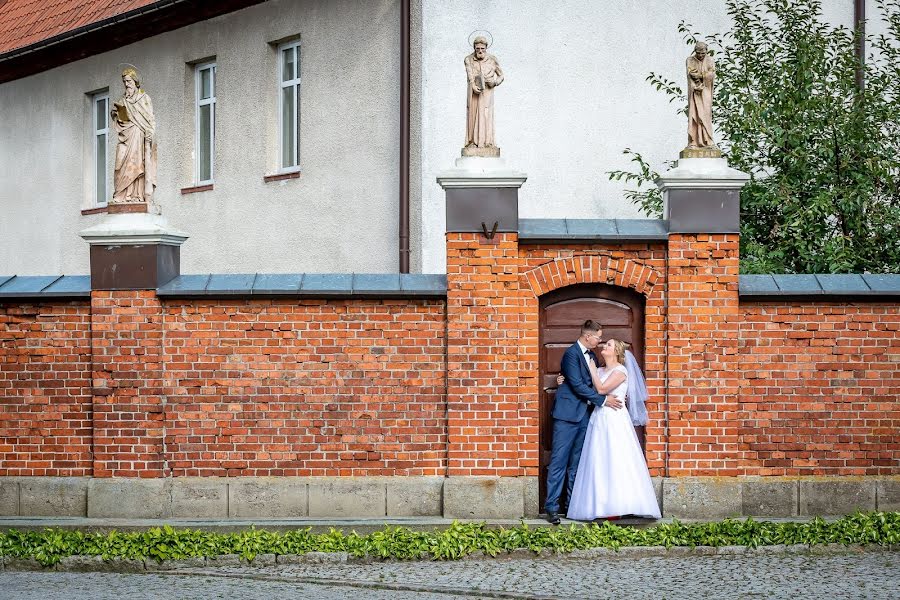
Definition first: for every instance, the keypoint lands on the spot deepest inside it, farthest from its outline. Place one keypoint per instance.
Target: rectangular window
(100, 111)
(289, 105)
(205, 125)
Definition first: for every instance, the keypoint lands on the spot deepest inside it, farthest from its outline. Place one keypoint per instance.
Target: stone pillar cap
(480, 172)
(132, 229)
(702, 173)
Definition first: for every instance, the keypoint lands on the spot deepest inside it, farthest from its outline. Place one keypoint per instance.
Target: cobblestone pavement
(871, 574)
(114, 586)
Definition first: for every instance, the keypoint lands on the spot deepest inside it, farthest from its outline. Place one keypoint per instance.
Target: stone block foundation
(458, 497)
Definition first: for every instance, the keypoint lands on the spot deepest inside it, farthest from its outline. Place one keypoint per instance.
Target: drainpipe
(404, 136)
(859, 24)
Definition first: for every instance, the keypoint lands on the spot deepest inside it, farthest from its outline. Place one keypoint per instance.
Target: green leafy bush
(825, 190)
(460, 539)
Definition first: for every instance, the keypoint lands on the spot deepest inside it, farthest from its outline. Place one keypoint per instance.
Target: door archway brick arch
(562, 272)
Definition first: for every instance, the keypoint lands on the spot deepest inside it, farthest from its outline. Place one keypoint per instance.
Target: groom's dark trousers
(570, 420)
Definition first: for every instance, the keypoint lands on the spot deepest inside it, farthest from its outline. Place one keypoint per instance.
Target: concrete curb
(97, 564)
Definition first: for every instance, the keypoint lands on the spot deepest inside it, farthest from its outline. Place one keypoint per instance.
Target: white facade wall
(339, 216)
(574, 96)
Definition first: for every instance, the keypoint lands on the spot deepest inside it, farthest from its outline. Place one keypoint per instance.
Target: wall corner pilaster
(702, 206)
(484, 319)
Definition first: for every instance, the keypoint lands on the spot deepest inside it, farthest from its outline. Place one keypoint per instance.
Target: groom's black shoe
(552, 517)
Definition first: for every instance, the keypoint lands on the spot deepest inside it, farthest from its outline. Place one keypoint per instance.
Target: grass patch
(51, 545)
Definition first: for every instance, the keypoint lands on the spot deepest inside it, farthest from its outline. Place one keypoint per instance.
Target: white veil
(637, 391)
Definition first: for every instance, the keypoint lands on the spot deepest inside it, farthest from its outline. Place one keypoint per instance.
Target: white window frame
(211, 101)
(295, 84)
(96, 131)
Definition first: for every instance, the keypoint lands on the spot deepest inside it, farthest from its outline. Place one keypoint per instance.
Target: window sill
(99, 210)
(197, 188)
(282, 176)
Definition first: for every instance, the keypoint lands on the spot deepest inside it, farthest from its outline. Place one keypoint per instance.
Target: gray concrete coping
(39, 287)
(823, 287)
(568, 231)
(310, 285)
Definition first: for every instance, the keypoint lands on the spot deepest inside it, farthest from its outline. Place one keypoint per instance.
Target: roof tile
(27, 22)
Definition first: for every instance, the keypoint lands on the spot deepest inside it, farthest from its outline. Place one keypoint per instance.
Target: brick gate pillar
(702, 204)
(131, 255)
(484, 329)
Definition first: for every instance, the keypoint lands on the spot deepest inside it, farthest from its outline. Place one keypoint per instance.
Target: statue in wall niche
(132, 115)
(701, 72)
(483, 74)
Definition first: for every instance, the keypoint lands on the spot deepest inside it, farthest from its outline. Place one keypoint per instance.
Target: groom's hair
(590, 327)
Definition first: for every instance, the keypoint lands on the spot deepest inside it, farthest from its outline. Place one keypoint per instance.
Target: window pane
(205, 84)
(287, 126)
(100, 167)
(101, 114)
(205, 142)
(287, 61)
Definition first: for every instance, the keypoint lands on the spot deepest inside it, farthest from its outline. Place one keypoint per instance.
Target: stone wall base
(452, 497)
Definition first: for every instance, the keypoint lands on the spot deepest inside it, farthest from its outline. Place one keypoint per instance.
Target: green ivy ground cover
(460, 539)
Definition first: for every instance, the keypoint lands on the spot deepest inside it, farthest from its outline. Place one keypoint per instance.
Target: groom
(575, 400)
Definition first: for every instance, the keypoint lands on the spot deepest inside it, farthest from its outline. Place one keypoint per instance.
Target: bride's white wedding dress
(612, 478)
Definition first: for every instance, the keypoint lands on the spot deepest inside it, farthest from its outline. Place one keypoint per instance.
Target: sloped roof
(27, 22)
(36, 35)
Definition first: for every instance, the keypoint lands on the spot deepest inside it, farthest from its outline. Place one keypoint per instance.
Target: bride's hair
(619, 347)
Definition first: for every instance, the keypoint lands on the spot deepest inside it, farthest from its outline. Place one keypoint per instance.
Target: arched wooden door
(621, 313)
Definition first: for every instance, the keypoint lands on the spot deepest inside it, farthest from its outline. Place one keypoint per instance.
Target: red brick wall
(45, 398)
(312, 388)
(701, 353)
(485, 426)
(128, 362)
(820, 390)
(360, 387)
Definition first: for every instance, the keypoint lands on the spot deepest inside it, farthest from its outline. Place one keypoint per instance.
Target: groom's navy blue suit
(570, 421)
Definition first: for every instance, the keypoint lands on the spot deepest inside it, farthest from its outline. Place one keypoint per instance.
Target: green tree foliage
(824, 155)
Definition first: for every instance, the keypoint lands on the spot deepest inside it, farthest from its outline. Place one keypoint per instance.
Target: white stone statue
(701, 72)
(132, 114)
(483, 74)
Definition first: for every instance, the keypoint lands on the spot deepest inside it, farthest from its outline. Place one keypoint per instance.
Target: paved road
(870, 575)
(112, 586)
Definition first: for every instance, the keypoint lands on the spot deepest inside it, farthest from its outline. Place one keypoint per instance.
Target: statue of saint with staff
(483, 74)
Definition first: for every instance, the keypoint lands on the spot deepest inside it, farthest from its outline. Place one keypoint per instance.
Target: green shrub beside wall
(51, 545)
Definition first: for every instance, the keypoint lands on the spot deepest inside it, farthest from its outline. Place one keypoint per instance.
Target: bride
(612, 478)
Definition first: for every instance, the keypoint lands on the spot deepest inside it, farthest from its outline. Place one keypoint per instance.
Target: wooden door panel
(567, 312)
(620, 312)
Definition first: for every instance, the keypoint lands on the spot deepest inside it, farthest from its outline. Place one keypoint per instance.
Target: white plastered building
(574, 98)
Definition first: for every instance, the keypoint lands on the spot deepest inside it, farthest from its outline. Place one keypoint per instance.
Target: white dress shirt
(586, 357)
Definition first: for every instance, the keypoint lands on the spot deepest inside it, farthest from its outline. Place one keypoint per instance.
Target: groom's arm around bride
(583, 387)
(580, 387)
